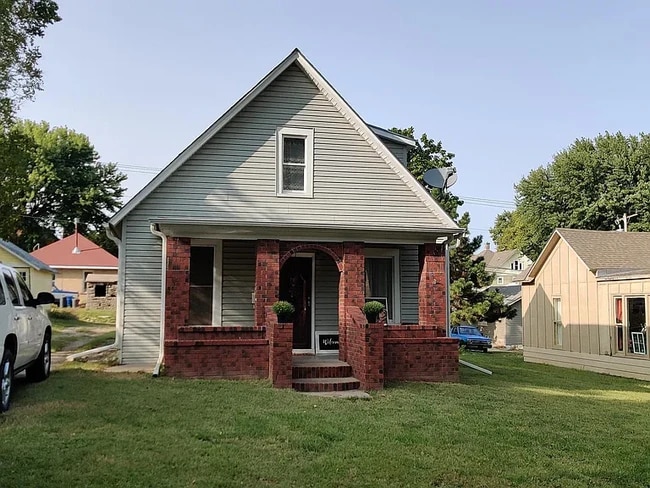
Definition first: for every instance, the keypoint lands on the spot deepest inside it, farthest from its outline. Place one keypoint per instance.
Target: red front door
(295, 287)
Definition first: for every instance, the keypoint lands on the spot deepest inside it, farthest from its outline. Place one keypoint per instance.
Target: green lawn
(527, 425)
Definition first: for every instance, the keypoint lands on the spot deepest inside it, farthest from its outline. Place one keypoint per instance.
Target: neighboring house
(585, 302)
(84, 268)
(37, 275)
(506, 332)
(289, 195)
(506, 266)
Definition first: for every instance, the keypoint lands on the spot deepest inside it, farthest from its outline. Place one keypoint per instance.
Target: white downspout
(163, 286)
(119, 316)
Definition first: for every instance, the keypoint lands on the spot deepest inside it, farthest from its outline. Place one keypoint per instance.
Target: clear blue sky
(503, 84)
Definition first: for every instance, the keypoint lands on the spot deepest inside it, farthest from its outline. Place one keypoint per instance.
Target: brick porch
(373, 352)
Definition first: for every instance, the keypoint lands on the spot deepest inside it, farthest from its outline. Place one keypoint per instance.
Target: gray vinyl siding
(400, 151)
(410, 278)
(232, 177)
(142, 304)
(238, 283)
(326, 313)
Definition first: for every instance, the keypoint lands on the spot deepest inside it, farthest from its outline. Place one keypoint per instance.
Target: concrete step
(325, 384)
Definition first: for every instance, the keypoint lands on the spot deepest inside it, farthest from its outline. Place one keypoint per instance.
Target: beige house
(83, 268)
(37, 275)
(585, 301)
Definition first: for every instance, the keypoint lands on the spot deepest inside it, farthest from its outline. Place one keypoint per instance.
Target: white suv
(25, 331)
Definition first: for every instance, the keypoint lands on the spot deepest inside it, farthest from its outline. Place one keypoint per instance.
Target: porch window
(382, 280)
(205, 283)
(295, 160)
(557, 322)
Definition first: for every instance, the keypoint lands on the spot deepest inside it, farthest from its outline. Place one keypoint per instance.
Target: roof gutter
(155, 230)
(111, 232)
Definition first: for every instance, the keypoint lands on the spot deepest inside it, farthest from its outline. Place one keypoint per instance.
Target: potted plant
(372, 310)
(284, 310)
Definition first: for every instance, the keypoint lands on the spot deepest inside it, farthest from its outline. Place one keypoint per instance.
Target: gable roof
(511, 292)
(370, 135)
(24, 256)
(498, 259)
(600, 250)
(59, 254)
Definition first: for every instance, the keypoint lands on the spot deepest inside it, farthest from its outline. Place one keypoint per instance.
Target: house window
(515, 265)
(557, 322)
(636, 320)
(618, 323)
(100, 290)
(23, 275)
(499, 280)
(205, 283)
(382, 280)
(295, 161)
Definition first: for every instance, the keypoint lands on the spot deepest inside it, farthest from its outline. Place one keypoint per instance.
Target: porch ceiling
(324, 233)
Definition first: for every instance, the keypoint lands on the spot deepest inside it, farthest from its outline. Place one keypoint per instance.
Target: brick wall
(351, 289)
(177, 285)
(280, 336)
(365, 349)
(267, 278)
(218, 352)
(432, 295)
(415, 353)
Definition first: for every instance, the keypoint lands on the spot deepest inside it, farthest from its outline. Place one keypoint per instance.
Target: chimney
(487, 246)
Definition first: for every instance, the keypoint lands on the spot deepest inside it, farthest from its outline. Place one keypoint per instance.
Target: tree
(470, 301)
(588, 185)
(63, 179)
(22, 22)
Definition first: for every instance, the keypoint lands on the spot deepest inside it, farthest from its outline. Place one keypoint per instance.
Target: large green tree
(22, 23)
(470, 301)
(57, 178)
(589, 185)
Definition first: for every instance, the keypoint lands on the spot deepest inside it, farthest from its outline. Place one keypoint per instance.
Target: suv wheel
(40, 370)
(6, 380)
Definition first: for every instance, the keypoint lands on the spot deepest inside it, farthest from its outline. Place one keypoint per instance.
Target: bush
(284, 310)
(373, 308)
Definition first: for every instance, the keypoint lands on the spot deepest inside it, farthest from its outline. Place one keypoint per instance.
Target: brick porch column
(280, 336)
(432, 290)
(267, 278)
(177, 286)
(351, 289)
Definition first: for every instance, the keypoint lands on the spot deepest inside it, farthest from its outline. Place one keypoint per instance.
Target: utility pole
(625, 219)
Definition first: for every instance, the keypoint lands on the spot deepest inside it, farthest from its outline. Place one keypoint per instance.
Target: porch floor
(317, 361)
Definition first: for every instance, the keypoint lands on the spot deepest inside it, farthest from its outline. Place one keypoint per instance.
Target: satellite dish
(441, 178)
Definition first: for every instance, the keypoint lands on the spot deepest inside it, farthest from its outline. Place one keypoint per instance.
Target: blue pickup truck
(470, 337)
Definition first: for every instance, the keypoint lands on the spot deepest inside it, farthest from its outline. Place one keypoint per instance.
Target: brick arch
(312, 247)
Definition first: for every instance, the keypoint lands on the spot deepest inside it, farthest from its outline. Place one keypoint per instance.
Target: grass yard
(78, 328)
(527, 425)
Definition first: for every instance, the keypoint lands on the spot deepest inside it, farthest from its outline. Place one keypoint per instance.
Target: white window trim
(397, 293)
(217, 277)
(308, 135)
(558, 339)
(499, 280)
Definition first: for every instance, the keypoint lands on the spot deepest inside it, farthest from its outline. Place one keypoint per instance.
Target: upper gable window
(295, 162)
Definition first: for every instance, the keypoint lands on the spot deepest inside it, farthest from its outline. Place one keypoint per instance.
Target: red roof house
(78, 262)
